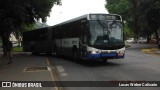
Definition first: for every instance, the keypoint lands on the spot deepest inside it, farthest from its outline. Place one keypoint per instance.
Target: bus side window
(83, 33)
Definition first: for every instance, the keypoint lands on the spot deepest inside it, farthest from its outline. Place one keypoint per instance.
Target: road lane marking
(53, 78)
(61, 71)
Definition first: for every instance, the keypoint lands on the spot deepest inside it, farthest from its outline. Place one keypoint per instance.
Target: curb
(153, 51)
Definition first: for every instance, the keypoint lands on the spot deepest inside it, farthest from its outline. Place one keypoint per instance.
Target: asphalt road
(137, 46)
(136, 66)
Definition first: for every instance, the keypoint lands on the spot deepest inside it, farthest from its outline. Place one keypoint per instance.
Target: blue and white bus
(91, 36)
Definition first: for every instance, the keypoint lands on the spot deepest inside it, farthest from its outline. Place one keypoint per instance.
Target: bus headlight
(94, 52)
(121, 52)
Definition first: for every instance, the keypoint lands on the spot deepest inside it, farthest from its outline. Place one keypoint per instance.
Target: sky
(74, 8)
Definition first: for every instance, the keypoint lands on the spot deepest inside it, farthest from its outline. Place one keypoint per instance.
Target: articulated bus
(38, 41)
(91, 37)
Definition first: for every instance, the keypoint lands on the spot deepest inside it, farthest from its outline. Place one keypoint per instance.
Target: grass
(17, 49)
(127, 46)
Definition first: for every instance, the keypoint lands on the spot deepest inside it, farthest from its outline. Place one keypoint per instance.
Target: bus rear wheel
(34, 51)
(75, 55)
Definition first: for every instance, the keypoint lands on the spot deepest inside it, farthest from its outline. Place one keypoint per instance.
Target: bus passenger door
(83, 38)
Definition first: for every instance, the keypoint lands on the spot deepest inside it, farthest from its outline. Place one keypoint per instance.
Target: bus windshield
(106, 32)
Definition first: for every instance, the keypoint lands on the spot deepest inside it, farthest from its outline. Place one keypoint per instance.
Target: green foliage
(19, 15)
(28, 27)
(128, 33)
(36, 25)
(14, 14)
(142, 16)
(17, 49)
(121, 7)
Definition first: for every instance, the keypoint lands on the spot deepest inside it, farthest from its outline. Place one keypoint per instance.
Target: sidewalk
(25, 67)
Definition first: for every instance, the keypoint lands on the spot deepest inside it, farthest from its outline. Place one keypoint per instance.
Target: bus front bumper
(104, 56)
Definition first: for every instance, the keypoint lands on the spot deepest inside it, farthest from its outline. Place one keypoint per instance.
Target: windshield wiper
(104, 27)
(100, 23)
(114, 23)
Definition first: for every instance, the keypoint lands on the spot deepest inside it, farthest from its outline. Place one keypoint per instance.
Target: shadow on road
(87, 63)
(97, 63)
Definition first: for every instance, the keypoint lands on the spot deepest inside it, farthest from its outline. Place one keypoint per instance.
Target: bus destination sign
(104, 17)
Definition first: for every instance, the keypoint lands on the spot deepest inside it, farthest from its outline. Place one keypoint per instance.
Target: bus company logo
(6, 84)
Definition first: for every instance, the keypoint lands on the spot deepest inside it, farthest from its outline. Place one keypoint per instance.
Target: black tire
(48, 53)
(34, 52)
(75, 55)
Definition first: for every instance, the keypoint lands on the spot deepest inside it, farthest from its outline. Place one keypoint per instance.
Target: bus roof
(43, 28)
(72, 20)
(83, 17)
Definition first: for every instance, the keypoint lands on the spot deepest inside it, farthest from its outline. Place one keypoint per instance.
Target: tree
(142, 16)
(123, 8)
(15, 14)
(153, 15)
